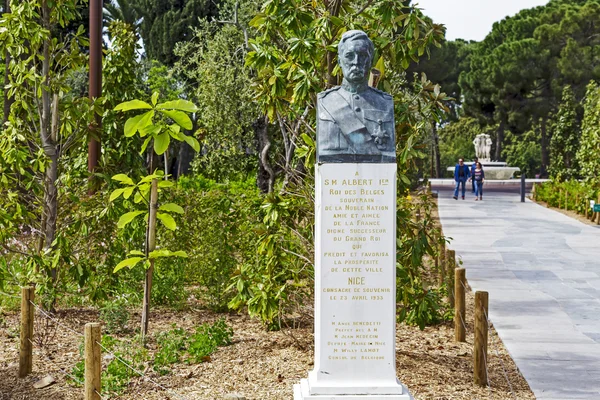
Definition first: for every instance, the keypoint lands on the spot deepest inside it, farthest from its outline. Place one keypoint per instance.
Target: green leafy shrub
(417, 237)
(571, 195)
(116, 375)
(207, 338)
(197, 347)
(217, 234)
(170, 345)
(115, 315)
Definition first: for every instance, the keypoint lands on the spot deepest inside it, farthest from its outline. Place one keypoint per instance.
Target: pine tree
(167, 22)
(565, 138)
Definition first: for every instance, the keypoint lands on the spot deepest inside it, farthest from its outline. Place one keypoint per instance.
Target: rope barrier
(178, 396)
(10, 295)
(50, 317)
(500, 358)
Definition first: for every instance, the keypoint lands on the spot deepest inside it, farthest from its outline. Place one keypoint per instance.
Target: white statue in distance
(483, 146)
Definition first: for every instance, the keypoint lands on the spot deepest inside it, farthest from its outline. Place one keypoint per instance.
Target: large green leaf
(171, 207)
(123, 179)
(127, 218)
(179, 117)
(138, 123)
(132, 105)
(167, 253)
(128, 262)
(131, 125)
(193, 143)
(161, 143)
(167, 221)
(182, 105)
(115, 194)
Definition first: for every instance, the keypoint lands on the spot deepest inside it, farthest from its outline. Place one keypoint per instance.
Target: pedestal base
(301, 392)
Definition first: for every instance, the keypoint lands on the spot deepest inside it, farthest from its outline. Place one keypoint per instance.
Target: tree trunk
(545, 149)
(150, 246)
(266, 175)
(436, 149)
(499, 141)
(334, 10)
(48, 138)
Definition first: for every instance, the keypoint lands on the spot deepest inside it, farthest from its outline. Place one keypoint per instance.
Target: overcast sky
(472, 19)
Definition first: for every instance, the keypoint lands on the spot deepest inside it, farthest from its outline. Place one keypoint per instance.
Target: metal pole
(95, 87)
(522, 188)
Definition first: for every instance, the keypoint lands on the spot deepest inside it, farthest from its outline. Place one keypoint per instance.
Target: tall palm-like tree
(124, 10)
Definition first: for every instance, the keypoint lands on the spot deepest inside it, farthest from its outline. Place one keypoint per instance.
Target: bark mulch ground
(259, 365)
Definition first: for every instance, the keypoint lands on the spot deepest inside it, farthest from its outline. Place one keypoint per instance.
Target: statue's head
(355, 56)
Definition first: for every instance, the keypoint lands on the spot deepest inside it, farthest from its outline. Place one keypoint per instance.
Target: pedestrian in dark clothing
(478, 177)
(462, 172)
(472, 171)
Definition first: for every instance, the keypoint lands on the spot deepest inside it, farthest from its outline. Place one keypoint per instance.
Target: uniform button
(379, 121)
(357, 109)
(357, 97)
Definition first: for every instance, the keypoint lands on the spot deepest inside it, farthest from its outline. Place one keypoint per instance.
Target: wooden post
(598, 214)
(560, 193)
(586, 207)
(566, 199)
(93, 362)
(442, 263)
(451, 264)
(481, 339)
(26, 347)
(150, 246)
(533, 191)
(459, 306)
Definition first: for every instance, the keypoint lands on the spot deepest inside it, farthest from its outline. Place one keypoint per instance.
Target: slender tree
(565, 138)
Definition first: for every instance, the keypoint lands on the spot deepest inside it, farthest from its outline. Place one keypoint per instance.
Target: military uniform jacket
(355, 127)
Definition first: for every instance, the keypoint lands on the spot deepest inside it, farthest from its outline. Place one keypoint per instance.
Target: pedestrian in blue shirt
(462, 172)
(472, 172)
(478, 177)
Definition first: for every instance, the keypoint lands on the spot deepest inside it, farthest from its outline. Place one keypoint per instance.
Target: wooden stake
(442, 270)
(560, 193)
(586, 206)
(151, 245)
(26, 347)
(481, 339)
(459, 306)
(598, 214)
(451, 264)
(93, 362)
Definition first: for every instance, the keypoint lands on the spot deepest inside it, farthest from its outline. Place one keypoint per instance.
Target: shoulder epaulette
(381, 92)
(326, 92)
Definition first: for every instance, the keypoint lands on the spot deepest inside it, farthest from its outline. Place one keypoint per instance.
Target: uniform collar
(352, 89)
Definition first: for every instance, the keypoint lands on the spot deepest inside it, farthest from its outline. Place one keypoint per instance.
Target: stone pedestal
(355, 292)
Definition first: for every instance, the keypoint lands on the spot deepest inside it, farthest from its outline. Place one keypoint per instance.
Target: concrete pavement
(542, 271)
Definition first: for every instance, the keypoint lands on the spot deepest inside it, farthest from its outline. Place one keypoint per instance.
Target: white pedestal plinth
(355, 285)
(302, 392)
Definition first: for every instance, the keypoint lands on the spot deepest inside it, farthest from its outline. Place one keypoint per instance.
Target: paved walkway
(542, 271)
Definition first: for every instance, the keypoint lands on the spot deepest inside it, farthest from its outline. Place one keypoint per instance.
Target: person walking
(478, 177)
(473, 171)
(462, 172)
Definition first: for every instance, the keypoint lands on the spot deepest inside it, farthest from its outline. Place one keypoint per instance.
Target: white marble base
(302, 392)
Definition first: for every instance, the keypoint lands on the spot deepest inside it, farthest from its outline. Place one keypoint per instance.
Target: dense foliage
(565, 138)
(587, 156)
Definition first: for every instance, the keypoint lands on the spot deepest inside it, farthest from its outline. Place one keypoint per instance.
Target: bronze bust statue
(355, 122)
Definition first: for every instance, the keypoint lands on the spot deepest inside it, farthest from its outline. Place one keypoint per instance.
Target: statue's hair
(355, 35)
